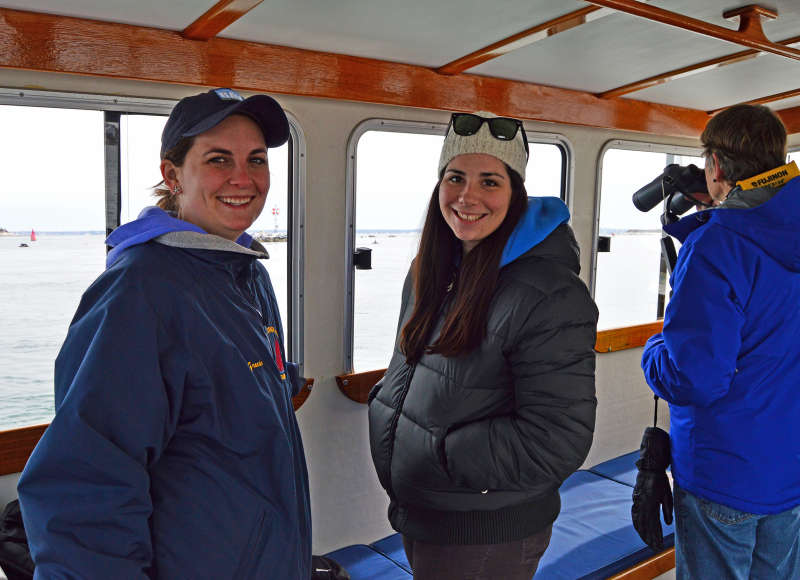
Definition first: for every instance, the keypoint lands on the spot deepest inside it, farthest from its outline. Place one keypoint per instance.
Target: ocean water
(41, 286)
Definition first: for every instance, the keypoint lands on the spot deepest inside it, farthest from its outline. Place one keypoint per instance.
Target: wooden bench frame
(356, 386)
(16, 445)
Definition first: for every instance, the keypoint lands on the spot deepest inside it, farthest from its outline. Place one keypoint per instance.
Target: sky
(52, 162)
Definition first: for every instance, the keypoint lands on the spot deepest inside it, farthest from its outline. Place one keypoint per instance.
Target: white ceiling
(602, 54)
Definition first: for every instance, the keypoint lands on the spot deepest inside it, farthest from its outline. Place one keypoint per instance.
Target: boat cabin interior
(610, 92)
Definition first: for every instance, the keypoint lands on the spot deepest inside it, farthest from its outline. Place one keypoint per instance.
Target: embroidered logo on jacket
(274, 343)
(255, 365)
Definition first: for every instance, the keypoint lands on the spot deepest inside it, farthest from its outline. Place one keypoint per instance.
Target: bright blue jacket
(174, 452)
(728, 359)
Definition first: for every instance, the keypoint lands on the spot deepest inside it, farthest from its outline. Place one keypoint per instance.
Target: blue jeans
(716, 541)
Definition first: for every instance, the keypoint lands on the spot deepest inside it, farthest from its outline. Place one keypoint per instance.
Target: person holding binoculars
(728, 360)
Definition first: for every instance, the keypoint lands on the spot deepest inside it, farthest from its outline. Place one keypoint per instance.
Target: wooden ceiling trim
(689, 70)
(749, 33)
(764, 100)
(50, 43)
(218, 18)
(520, 40)
(790, 118)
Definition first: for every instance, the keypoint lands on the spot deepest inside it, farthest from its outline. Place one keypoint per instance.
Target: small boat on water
(23, 245)
(33, 235)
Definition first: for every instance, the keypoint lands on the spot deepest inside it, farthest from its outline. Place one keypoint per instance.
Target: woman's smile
(474, 196)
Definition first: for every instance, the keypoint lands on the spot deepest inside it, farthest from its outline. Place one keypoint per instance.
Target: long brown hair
(473, 282)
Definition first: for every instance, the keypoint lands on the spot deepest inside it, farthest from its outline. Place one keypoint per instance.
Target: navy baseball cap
(199, 113)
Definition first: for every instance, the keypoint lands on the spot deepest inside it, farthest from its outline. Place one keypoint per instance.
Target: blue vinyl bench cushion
(364, 563)
(593, 537)
(392, 548)
(621, 469)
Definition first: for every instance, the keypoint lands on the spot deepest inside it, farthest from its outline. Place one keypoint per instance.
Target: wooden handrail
(356, 386)
(302, 395)
(615, 339)
(16, 445)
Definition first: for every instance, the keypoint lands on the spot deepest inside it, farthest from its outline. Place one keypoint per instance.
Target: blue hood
(772, 225)
(152, 223)
(544, 214)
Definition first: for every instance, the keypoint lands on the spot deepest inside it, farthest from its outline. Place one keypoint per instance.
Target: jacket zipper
(393, 425)
(404, 392)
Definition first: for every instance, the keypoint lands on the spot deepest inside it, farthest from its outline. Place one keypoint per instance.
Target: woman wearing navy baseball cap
(175, 452)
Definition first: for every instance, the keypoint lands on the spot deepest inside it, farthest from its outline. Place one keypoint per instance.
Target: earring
(177, 189)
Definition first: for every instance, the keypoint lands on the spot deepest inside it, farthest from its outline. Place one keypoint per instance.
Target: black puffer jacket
(472, 449)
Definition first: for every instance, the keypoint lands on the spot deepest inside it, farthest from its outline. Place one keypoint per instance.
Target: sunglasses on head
(502, 128)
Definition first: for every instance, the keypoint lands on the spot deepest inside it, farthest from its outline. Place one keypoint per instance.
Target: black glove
(323, 568)
(652, 492)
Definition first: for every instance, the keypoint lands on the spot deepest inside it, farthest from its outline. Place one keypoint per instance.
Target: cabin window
(631, 284)
(391, 177)
(52, 222)
(96, 172)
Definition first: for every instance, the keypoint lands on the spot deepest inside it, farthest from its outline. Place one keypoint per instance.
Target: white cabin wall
(348, 505)
(624, 401)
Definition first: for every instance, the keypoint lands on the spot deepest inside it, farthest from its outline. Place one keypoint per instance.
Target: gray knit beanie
(512, 153)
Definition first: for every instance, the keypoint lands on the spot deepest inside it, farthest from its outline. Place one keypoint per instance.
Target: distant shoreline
(53, 233)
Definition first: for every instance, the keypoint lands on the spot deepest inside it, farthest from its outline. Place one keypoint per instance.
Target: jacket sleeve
(693, 361)
(85, 492)
(549, 432)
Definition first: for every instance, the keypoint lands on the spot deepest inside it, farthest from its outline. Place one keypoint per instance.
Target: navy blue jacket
(728, 359)
(174, 452)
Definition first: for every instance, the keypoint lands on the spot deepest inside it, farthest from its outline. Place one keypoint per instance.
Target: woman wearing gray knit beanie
(488, 402)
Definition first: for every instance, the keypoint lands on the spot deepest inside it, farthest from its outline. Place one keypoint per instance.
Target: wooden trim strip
(689, 70)
(16, 445)
(50, 43)
(749, 33)
(218, 18)
(305, 391)
(519, 40)
(650, 568)
(790, 118)
(357, 386)
(627, 337)
(762, 100)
